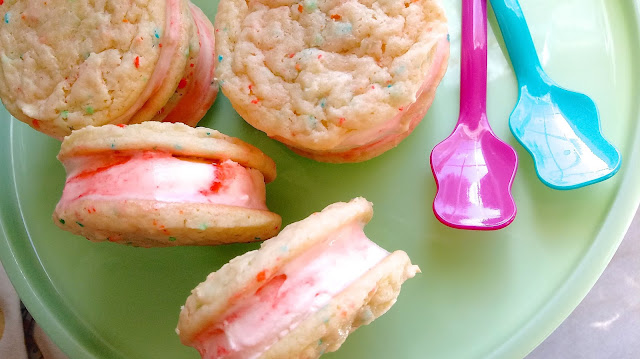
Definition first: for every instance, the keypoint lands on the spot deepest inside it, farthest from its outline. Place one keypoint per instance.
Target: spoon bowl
(561, 131)
(475, 171)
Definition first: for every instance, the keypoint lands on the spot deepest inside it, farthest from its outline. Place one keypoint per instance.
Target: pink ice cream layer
(297, 290)
(160, 176)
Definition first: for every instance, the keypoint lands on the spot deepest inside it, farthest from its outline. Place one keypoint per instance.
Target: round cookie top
(175, 138)
(313, 74)
(210, 299)
(68, 64)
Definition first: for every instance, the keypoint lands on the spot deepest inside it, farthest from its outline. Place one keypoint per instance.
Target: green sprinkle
(113, 145)
(320, 342)
(7, 16)
(256, 238)
(220, 57)
(61, 220)
(89, 110)
(310, 5)
(80, 224)
(284, 249)
(177, 147)
(172, 239)
(326, 320)
(64, 114)
(323, 102)
(208, 133)
(203, 226)
(156, 33)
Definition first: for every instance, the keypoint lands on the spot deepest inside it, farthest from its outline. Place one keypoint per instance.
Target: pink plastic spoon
(473, 169)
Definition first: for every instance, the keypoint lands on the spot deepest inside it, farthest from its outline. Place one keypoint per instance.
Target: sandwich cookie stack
(65, 65)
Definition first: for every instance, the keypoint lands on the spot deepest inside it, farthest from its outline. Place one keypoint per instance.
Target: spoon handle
(473, 63)
(517, 38)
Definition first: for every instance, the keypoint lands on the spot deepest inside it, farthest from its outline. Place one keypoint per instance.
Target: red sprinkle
(121, 125)
(137, 62)
(319, 56)
(300, 8)
(400, 109)
(336, 17)
(1, 2)
(261, 276)
(341, 121)
(250, 87)
(36, 123)
(255, 101)
(291, 55)
(221, 351)
(159, 45)
(298, 67)
(192, 65)
(182, 84)
(373, 86)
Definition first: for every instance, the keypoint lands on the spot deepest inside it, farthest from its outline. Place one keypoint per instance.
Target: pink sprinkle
(319, 56)
(341, 121)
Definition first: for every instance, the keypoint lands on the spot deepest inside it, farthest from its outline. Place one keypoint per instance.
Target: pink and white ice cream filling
(161, 176)
(294, 292)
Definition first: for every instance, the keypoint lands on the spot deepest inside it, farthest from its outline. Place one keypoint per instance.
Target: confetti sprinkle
(36, 124)
(203, 226)
(172, 239)
(136, 62)
(336, 17)
(220, 57)
(121, 125)
(64, 114)
(1, 2)
(298, 67)
(182, 84)
(261, 276)
(178, 147)
(156, 33)
(7, 16)
(61, 220)
(310, 5)
(80, 224)
(323, 102)
(300, 8)
(341, 121)
(255, 101)
(89, 110)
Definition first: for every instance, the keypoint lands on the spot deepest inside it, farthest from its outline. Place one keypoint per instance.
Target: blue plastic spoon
(559, 128)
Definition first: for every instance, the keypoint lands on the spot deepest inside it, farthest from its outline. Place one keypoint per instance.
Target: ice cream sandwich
(162, 184)
(298, 296)
(336, 81)
(66, 65)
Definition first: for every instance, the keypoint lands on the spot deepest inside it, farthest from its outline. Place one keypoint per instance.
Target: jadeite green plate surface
(480, 294)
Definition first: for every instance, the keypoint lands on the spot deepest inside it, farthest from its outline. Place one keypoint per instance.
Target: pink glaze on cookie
(160, 176)
(289, 295)
(196, 102)
(169, 45)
